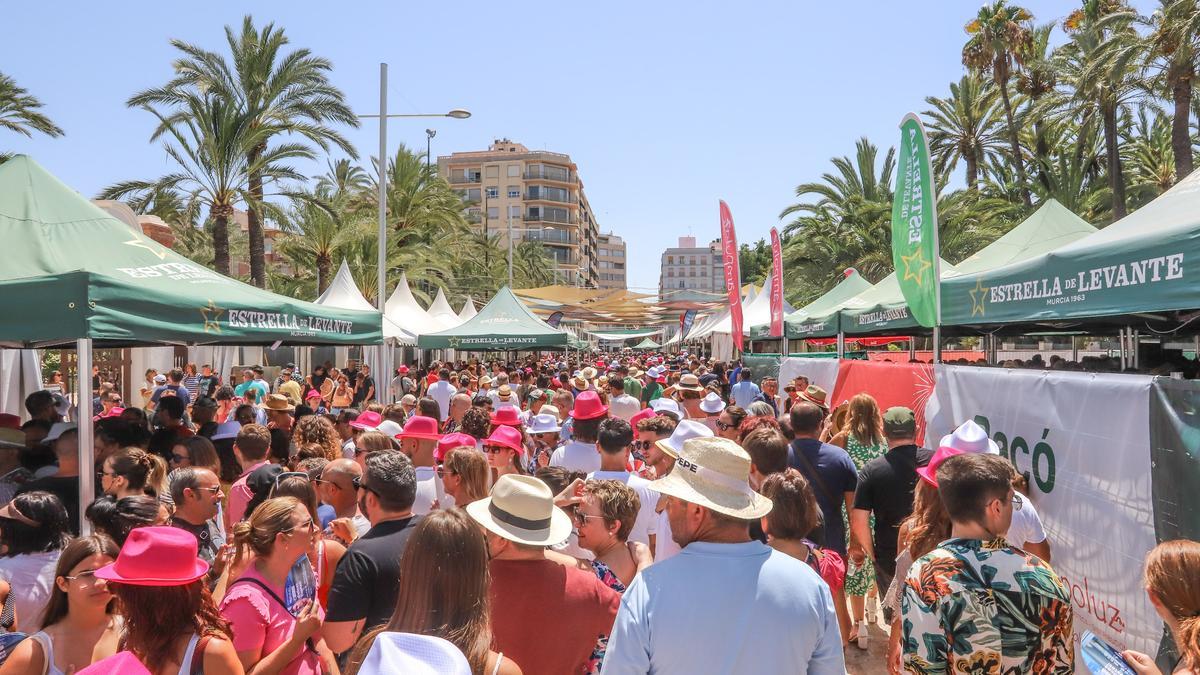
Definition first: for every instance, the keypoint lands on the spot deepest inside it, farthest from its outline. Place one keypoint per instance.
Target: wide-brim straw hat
(688, 382)
(278, 403)
(816, 396)
(521, 509)
(714, 472)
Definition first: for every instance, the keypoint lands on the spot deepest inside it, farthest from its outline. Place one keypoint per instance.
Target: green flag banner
(914, 225)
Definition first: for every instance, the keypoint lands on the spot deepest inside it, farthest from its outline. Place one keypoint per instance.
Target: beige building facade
(611, 259)
(690, 268)
(538, 196)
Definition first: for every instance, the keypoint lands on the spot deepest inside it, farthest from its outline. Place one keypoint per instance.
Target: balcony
(568, 219)
(469, 179)
(551, 236)
(549, 197)
(547, 173)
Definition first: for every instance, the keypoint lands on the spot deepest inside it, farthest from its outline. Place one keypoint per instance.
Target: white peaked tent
(442, 312)
(468, 310)
(756, 309)
(404, 309)
(344, 294)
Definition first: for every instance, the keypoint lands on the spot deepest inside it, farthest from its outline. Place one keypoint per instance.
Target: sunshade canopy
(504, 323)
(73, 271)
(1138, 265)
(647, 344)
(404, 309)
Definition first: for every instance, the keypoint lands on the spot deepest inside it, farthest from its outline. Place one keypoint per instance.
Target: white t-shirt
(442, 391)
(32, 578)
(624, 406)
(576, 456)
(429, 490)
(664, 545)
(646, 522)
(1026, 527)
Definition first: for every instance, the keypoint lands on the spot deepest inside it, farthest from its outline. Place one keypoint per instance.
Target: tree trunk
(1042, 150)
(1181, 138)
(258, 273)
(220, 238)
(972, 171)
(1116, 181)
(323, 265)
(1014, 142)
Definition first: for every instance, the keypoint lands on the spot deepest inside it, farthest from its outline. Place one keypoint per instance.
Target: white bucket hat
(684, 431)
(521, 509)
(414, 655)
(665, 404)
(389, 427)
(714, 473)
(712, 403)
(543, 423)
(970, 437)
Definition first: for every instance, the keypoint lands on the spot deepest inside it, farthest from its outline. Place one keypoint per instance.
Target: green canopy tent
(647, 344)
(1131, 271)
(505, 323)
(879, 309)
(801, 323)
(75, 274)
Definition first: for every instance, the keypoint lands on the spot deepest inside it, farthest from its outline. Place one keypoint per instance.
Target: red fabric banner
(892, 384)
(776, 285)
(733, 274)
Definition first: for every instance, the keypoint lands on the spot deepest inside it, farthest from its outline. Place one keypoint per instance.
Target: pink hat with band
(156, 556)
(368, 420)
(641, 415)
(419, 426)
(506, 416)
(588, 406)
(928, 473)
(505, 437)
(450, 442)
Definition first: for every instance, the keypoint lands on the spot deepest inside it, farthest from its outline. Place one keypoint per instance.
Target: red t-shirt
(547, 617)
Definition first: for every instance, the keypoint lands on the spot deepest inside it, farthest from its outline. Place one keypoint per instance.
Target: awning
(505, 323)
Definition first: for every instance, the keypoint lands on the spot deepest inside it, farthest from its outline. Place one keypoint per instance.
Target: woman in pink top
(269, 636)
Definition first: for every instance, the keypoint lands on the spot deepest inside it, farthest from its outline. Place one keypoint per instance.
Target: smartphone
(1102, 658)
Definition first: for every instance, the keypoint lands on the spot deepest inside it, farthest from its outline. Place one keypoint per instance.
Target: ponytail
(1189, 641)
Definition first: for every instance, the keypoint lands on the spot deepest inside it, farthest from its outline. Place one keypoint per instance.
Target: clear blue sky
(666, 107)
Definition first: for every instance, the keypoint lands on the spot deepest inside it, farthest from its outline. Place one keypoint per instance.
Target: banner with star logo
(914, 225)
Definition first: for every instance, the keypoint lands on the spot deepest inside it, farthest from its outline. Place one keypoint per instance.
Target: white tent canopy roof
(442, 312)
(468, 310)
(405, 311)
(343, 294)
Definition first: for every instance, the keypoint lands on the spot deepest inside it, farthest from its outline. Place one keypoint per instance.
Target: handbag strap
(256, 582)
(197, 666)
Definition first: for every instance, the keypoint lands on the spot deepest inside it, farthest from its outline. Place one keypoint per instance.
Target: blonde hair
(1172, 575)
(316, 430)
(618, 502)
(374, 441)
(257, 533)
(471, 467)
(863, 420)
(142, 470)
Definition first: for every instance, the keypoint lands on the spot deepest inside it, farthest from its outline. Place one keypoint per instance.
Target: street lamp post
(381, 262)
(429, 134)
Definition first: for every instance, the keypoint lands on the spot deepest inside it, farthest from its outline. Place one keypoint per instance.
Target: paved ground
(871, 660)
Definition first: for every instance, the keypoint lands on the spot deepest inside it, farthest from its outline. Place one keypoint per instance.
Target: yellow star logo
(979, 298)
(211, 313)
(138, 242)
(916, 262)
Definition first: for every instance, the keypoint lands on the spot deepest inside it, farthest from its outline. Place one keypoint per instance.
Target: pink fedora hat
(452, 441)
(156, 556)
(505, 437)
(418, 426)
(368, 420)
(928, 473)
(506, 416)
(588, 406)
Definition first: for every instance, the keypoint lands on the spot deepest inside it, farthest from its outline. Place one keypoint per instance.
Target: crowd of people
(628, 514)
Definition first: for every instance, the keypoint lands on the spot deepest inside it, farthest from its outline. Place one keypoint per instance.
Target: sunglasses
(176, 458)
(84, 577)
(642, 445)
(358, 484)
(310, 526)
(723, 426)
(581, 518)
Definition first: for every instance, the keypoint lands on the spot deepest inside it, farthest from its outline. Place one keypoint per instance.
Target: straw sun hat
(521, 509)
(714, 472)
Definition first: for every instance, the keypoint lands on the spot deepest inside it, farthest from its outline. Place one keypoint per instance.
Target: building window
(681, 284)
(703, 271)
(514, 170)
(514, 210)
(473, 195)
(473, 175)
(670, 260)
(514, 191)
(493, 171)
(493, 212)
(670, 273)
(493, 192)
(457, 175)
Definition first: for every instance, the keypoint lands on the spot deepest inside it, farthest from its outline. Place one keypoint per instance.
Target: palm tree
(1148, 152)
(280, 93)
(318, 225)
(1000, 36)
(19, 112)
(209, 141)
(964, 126)
(1037, 78)
(1102, 60)
(344, 177)
(1175, 48)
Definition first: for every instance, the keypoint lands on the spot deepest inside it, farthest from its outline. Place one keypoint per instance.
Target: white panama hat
(684, 431)
(712, 403)
(521, 509)
(714, 472)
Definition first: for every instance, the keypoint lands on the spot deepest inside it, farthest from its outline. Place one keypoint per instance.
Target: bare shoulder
(507, 666)
(220, 658)
(26, 657)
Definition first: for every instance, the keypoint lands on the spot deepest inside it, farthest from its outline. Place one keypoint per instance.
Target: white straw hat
(712, 403)
(665, 404)
(521, 509)
(714, 472)
(413, 654)
(970, 437)
(684, 431)
(543, 423)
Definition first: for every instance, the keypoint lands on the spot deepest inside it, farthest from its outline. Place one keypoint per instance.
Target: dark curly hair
(476, 422)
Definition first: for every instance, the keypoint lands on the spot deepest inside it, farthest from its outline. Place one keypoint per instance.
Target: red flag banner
(733, 275)
(892, 384)
(776, 285)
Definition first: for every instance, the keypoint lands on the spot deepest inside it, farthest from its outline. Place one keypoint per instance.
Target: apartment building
(610, 253)
(536, 194)
(688, 270)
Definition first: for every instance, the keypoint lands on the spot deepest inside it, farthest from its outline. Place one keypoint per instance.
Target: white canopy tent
(756, 309)
(467, 311)
(442, 312)
(404, 310)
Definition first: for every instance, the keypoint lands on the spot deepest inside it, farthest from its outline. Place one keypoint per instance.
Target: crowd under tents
(77, 276)
(503, 324)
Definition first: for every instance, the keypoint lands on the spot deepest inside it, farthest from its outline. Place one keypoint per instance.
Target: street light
(429, 134)
(383, 116)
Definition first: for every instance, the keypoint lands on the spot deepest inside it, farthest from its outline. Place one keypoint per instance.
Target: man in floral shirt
(975, 604)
